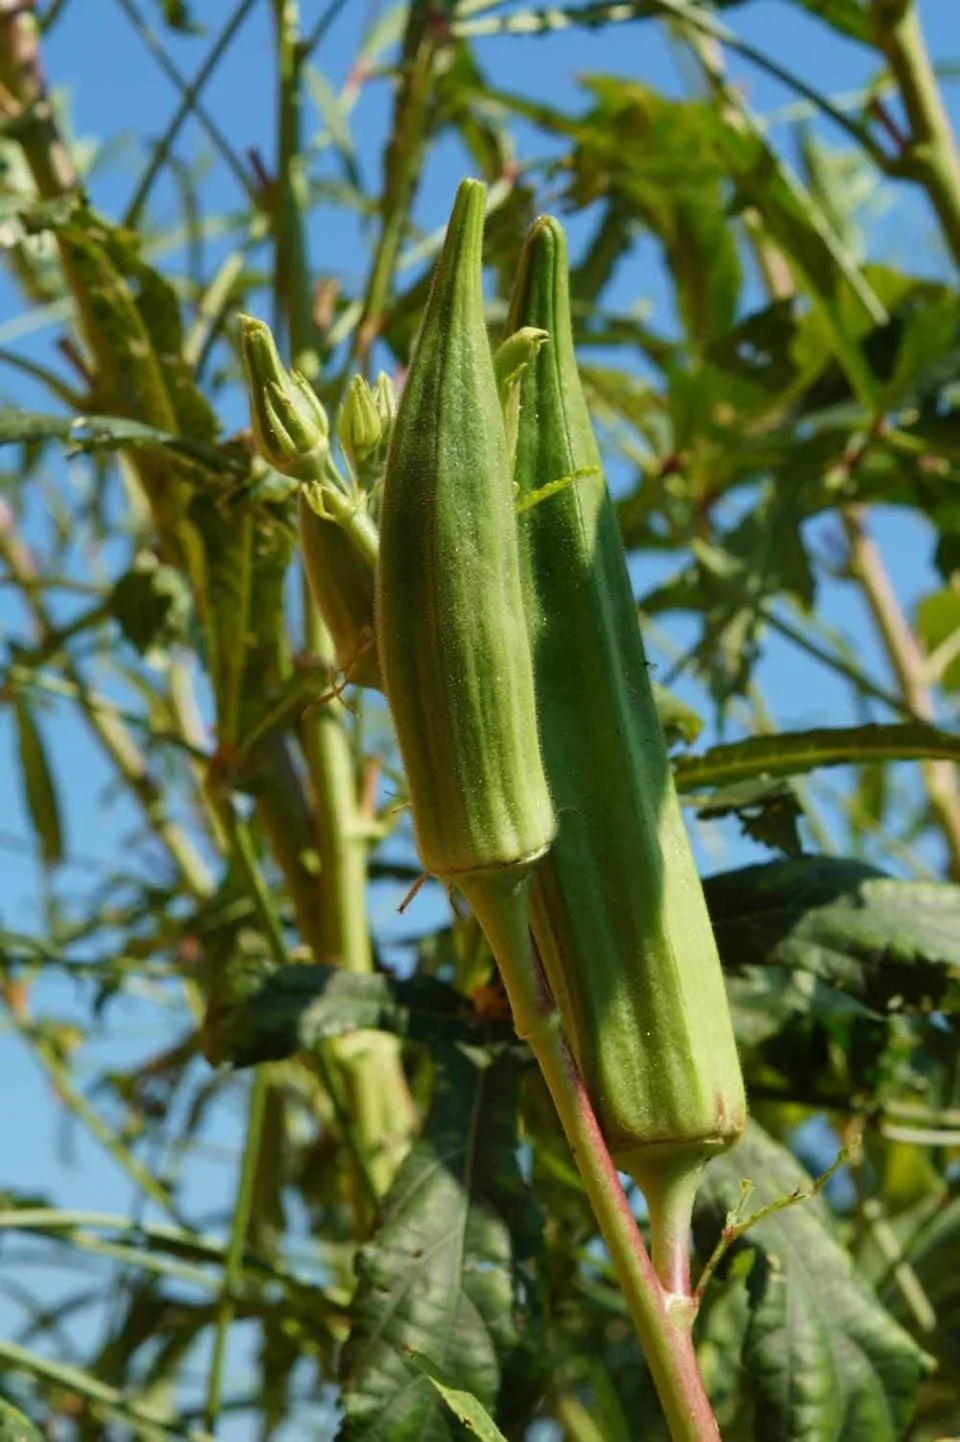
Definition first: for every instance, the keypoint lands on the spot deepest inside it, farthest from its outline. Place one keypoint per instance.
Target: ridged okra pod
(616, 905)
(458, 673)
(454, 653)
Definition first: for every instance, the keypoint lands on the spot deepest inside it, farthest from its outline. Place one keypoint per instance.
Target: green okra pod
(616, 905)
(454, 653)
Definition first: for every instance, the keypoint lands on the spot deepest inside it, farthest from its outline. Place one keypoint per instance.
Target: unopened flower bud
(289, 424)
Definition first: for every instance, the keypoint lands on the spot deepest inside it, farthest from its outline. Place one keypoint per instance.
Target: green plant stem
(284, 815)
(401, 170)
(78, 1227)
(246, 860)
(576, 1421)
(317, 35)
(908, 664)
(663, 1323)
(931, 156)
(233, 1268)
(21, 75)
(371, 1065)
(736, 1224)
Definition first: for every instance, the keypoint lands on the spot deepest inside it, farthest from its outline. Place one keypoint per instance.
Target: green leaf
(666, 177)
(14, 1427)
(302, 1005)
(891, 944)
(37, 782)
(823, 1360)
(926, 324)
(790, 753)
(768, 810)
(179, 16)
(151, 604)
(471, 1413)
(439, 1285)
(938, 620)
(110, 433)
(850, 17)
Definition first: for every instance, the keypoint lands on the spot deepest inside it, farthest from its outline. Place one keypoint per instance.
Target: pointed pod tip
(458, 275)
(540, 293)
(469, 209)
(548, 239)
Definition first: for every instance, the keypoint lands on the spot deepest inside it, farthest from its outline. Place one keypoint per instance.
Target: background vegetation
(769, 326)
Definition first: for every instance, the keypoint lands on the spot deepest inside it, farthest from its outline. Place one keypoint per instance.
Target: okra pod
(617, 908)
(454, 653)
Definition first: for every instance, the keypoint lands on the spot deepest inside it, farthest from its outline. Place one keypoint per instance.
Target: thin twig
(736, 1224)
(909, 665)
(233, 1267)
(318, 34)
(189, 101)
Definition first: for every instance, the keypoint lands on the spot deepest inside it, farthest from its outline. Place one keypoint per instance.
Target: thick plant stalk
(458, 673)
(401, 165)
(291, 431)
(931, 156)
(616, 903)
(372, 1064)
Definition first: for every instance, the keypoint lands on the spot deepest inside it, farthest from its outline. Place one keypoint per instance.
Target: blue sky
(97, 59)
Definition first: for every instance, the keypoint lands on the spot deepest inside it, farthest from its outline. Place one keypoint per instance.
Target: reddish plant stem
(662, 1320)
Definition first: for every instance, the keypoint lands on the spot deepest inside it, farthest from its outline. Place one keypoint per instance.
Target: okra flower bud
(289, 424)
(385, 400)
(360, 428)
(337, 536)
(454, 653)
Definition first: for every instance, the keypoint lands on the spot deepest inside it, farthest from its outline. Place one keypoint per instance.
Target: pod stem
(499, 902)
(341, 506)
(670, 1189)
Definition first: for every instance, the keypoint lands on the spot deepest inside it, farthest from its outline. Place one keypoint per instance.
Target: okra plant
(470, 1002)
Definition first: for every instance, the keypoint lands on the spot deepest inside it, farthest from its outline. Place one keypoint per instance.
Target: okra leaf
(444, 1285)
(302, 1005)
(37, 780)
(938, 619)
(790, 753)
(179, 16)
(850, 17)
(109, 433)
(14, 1427)
(768, 809)
(823, 1360)
(891, 944)
(469, 1411)
(151, 604)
